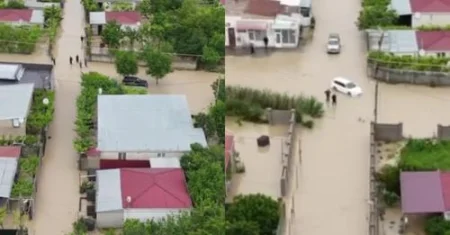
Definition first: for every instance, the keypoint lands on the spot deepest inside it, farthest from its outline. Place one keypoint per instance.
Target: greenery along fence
(53, 18)
(86, 105)
(40, 114)
(19, 39)
(250, 104)
(376, 13)
(407, 62)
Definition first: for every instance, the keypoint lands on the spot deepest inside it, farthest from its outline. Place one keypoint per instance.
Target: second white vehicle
(346, 86)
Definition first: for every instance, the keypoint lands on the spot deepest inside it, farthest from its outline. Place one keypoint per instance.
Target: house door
(231, 37)
(278, 39)
(100, 29)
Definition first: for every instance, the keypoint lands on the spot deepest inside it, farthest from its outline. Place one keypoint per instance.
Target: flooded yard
(262, 164)
(196, 85)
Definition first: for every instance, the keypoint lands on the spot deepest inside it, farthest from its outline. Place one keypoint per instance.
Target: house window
(288, 36)
(161, 154)
(256, 35)
(305, 11)
(122, 156)
(441, 54)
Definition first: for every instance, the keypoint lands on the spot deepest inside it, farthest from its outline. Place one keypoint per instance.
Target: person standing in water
(77, 59)
(327, 95)
(334, 99)
(70, 60)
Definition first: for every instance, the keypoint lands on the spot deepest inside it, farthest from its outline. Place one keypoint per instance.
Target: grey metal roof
(37, 17)
(394, 41)
(305, 3)
(147, 123)
(162, 162)
(16, 100)
(97, 18)
(9, 71)
(402, 7)
(8, 168)
(109, 192)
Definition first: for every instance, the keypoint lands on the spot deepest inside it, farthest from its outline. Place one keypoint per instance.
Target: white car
(334, 44)
(346, 86)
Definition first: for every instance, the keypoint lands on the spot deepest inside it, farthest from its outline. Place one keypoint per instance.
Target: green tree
(219, 89)
(376, 16)
(217, 113)
(132, 37)
(126, 63)
(112, 34)
(257, 208)
(210, 57)
(242, 228)
(159, 64)
(436, 225)
(207, 183)
(389, 177)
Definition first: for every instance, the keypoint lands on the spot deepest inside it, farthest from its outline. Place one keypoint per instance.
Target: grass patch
(425, 155)
(130, 90)
(250, 104)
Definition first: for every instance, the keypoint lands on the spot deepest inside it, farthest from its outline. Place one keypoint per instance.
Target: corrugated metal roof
(162, 162)
(37, 17)
(394, 41)
(147, 123)
(8, 168)
(421, 192)
(9, 71)
(402, 7)
(109, 192)
(18, 99)
(97, 18)
(305, 3)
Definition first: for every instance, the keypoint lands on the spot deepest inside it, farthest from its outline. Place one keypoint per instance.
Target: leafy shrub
(19, 39)
(29, 165)
(249, 104)
(40, 115)
(425, 155)
(436, 225)
(23, 187)
(422, 63)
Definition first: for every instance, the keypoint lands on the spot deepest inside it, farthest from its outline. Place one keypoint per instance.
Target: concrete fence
(443, 132)
(379, 132)
(395, 76)
(284, 117)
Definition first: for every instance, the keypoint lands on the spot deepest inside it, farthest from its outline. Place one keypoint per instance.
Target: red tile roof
(268, 8)
(15, 15)
(430, 5)
(229, 148)
(154, 188)
(433, 40)
(445, 182)
(10, 151)
(123, 17)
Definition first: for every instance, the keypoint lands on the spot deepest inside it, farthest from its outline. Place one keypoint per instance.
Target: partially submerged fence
(284, 117)
(382, 72)
(386, 133)
(443, 132)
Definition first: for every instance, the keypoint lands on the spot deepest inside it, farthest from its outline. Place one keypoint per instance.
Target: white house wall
(110, 219)
(150, 214)
(140, 155)
(442, 19)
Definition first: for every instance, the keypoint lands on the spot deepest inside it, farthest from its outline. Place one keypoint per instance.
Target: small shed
(143, 194)
(16, 102)
(127, 19)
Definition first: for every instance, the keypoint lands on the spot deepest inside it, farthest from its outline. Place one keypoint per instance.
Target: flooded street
(57, 197)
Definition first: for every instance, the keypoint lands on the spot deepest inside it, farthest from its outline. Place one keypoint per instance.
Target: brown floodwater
(331, 192)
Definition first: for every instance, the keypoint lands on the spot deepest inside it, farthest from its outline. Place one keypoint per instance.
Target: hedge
(407, 62)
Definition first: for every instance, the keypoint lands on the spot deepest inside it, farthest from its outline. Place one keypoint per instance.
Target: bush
(422, 63)
(249, 104)
(376, 13)
(436, 225)
(425, 155)
(40, 115)
(19, 39)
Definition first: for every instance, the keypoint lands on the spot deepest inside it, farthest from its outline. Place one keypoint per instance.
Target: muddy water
(262, 165)
(57, 197)
(196, 85)
(332, 192)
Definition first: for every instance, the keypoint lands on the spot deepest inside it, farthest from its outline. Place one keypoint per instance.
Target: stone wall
(395, 76)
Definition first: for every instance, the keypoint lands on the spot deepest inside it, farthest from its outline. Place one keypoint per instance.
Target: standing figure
(77, 59)
(334, 99)
(70, 60)
(327, 95)
(252, 49)
(266, 42)
(85, 62)
(82, 39)
(53, 60)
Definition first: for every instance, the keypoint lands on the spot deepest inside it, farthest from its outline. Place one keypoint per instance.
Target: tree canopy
(259, 209)
(126, 62)
(112, 34)
(159, 64)
(375, 13)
